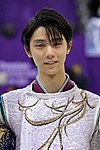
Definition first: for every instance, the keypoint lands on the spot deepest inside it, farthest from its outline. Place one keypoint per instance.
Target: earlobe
(69, 47)
(28, 52)
(68, 50)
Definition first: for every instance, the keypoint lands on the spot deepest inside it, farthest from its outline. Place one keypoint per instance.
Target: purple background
(18, 12)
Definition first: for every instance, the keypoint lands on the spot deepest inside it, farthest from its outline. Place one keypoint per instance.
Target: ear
(28, 52)
(69, 47)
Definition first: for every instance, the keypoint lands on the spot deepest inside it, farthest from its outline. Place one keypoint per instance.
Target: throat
(52, 86)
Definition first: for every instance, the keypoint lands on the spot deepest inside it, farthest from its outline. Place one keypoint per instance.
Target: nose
(50, 52)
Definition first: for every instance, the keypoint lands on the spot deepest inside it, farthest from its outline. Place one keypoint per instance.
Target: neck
(52, 83)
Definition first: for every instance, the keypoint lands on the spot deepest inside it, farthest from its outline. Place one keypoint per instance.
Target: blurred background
(82, 64)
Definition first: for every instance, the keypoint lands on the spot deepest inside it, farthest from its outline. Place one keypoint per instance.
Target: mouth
(50, 62)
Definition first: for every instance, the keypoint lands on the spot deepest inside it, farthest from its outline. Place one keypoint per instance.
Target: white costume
(53, 121)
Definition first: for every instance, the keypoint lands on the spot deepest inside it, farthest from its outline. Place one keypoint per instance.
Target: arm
(95, 141)
(7, 137)
(2, 113)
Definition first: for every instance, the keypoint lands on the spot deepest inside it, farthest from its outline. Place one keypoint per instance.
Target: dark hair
(53, 22)
(93, 7)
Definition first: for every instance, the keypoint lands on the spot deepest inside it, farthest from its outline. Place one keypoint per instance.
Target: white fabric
(92, 37)
(31, 137)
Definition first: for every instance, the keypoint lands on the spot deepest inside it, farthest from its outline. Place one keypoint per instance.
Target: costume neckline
(45, 91)
(68, 93)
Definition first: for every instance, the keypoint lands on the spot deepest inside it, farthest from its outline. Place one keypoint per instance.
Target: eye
(40, 45)
(57, 42)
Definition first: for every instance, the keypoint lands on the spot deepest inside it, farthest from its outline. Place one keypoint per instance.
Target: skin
(49, 59)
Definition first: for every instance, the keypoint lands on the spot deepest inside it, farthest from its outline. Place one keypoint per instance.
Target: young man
(52, 112)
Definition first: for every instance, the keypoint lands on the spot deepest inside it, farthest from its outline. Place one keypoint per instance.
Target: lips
(50, 62)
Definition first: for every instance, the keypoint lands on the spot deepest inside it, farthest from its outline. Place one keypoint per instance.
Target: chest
(59, 125)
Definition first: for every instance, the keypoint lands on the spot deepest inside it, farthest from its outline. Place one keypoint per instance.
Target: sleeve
(7, 137)
(2, 113)
(95, 141)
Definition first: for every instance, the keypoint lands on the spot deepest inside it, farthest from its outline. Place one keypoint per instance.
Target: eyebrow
(43, 40)
(39, 40)
(57, 39)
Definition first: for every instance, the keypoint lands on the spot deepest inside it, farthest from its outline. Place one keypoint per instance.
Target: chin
(52, 73)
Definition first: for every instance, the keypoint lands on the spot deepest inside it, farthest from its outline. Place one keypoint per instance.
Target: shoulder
(92, 95)
(15, 94)
(93, 98)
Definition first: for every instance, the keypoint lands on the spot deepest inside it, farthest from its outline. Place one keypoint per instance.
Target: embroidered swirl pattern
(61, 113)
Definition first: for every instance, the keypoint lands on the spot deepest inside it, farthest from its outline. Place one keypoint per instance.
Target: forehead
(40, 31)
(47, 34)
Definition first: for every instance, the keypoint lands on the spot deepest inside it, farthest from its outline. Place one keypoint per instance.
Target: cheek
(62, 56)
(37, 59)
